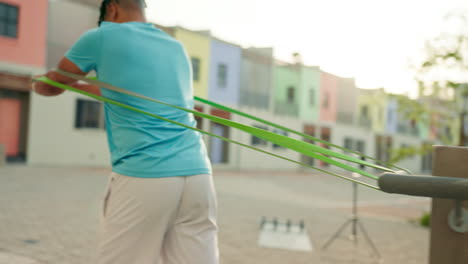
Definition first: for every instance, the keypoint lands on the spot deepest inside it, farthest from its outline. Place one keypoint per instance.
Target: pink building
(328, 94)
(23, 33)
(23, 37)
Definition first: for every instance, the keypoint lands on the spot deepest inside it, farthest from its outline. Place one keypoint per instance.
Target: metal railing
(288, 109)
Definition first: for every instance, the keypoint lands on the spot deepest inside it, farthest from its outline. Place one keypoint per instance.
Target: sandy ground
(51, 215)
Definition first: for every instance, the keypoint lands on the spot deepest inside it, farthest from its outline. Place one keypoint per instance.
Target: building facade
(23, 28)
(224, 88)
(73, 124)
(347, 101)
(256, 85)
(69, 130)
(288, 88)
(328, 97)
(198, 47)
(309, 97)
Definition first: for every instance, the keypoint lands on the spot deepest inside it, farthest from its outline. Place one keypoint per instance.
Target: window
(365, 111)
(312, 97)
(280, 132)
(222, 75)
(196, 68)
(258, 141)
(360, 146)
(8, 20)
(89, 114)
(291, 94)
(348, 144)
(326, 100)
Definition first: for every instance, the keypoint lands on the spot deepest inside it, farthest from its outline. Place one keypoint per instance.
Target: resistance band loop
(307, 149)
(240, 113)
(266, 122)
(110, 101)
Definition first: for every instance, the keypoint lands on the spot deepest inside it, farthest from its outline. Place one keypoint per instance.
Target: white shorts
(159, 221)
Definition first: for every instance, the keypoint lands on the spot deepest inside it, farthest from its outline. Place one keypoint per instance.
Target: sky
(374, 41)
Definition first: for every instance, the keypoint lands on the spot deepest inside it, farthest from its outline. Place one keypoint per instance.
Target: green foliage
(402, 153)
(425, 220)
(442, 78)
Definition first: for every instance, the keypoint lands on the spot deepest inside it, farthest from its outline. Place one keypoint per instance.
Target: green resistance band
(266, 122)
(110, 101)
(237, 112)
(307, 149)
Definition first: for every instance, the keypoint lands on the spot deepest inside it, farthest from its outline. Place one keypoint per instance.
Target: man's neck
(133, 18)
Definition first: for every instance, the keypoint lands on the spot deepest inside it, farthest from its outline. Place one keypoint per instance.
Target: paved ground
(50, 215)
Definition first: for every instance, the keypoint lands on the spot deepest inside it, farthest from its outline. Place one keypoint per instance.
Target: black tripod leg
(366, 235)
(336, 234)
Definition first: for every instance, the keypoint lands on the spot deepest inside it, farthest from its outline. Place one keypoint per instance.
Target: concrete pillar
(448, 246)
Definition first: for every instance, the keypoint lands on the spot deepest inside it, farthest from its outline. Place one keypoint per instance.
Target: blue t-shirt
(141, 58)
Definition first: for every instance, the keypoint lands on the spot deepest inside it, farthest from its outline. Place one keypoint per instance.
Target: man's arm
(67, 66)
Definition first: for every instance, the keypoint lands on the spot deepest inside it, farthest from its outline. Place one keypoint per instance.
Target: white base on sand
(294, 239)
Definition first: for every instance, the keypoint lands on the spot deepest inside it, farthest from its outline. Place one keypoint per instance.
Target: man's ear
(112, 12)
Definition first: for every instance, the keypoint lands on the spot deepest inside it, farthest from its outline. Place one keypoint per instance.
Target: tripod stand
(355, 225)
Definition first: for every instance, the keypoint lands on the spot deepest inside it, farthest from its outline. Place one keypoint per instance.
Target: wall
(309, 109)
(347, 98)
(53, 140)
(67, 22)
(256, 87)
(376, 102)
(229, 55)
(328, 89)
(286, 76)
(26, 54)
(197, 45)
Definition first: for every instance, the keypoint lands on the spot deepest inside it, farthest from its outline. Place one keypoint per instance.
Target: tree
(442, 77)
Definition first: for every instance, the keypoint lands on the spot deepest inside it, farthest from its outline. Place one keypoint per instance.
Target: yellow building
(372, 109)
(197, 45)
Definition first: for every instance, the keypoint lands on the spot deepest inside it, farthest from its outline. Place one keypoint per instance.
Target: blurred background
(386, 78)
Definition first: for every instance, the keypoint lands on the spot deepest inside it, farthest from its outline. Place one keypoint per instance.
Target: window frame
(9, 20)
(256, 141)
(196, 68)
(83, 111)
(291, 94)
(312, 96)
(222, 76)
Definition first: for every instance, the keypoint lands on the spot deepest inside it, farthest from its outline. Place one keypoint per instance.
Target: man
(160, 206)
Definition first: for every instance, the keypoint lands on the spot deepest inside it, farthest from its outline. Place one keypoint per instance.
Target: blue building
(224, 79)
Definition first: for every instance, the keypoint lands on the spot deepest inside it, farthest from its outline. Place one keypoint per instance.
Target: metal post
(355, 217)
(448, 246)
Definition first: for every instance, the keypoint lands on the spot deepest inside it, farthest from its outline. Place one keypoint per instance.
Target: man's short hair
(129, 4)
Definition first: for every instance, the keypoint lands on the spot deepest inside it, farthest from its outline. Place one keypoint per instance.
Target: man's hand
(68, 66)
(45, 89)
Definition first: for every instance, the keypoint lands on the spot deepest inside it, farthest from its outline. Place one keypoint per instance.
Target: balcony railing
(254, 99)
(365, 122)
(282, 108)
(345, 118)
